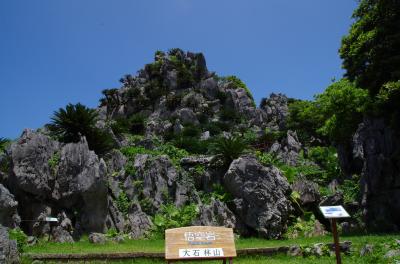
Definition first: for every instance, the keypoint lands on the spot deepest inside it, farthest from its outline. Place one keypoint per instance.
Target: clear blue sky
(55, 52)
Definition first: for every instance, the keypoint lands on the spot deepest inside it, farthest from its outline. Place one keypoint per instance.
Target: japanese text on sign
(201, 252)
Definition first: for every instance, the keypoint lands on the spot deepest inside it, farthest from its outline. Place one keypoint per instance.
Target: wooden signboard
(199, 242)
(332, 213)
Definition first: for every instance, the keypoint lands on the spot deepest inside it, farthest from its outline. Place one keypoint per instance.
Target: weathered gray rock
(187, 116)
(261, 196)
(30, 156)
(82, 185)
(61, 235)
(210, 88)
(8, 248)
(288, 149)
(308, 191)
(138, 223)
(392, 253)
(374, 148)
(31, 240)
(334, 199)
(97, 238)
(366, 250)
(317, 249)
(115, 219)
(276, 109)
(294, 251)
(215, 214)
(8, 209)
(63, 232)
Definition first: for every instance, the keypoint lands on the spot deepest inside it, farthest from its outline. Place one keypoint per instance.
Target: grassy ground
(158, 246)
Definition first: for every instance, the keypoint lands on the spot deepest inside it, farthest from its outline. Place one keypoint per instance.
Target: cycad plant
(69, 124)
(228, 148)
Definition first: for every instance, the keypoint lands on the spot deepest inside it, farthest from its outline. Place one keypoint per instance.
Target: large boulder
(8, 248)
(8, 209)
(260, 196)
(30, 156)
(309, 194)
(215, 214)
(137, 223)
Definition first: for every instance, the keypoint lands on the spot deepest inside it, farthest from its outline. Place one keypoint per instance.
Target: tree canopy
(371, 50)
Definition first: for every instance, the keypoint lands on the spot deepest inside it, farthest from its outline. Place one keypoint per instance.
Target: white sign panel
(51, 219)
(201, 252)
(334, 211)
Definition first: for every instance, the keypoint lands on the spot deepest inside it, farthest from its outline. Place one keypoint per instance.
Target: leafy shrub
(173, 100)
(69, 124)
(169, 216)
(112, 233)
(229, 148)
(302, 227)
(54, 161)
(3, 144)
(220, 193)
(350, 189)
(327, 159)
(304, 168)
(18, 235)
(135, 124)
(146, 205)
(123, 203)
(230, 115)
(191, 144)
(221, 96)
(174, 153)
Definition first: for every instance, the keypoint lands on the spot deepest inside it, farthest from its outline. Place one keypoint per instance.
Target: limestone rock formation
(8, 209)
(260, 196)
(8, 248)
(375, 152)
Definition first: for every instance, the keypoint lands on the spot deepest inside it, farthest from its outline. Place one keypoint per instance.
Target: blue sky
(55, 52)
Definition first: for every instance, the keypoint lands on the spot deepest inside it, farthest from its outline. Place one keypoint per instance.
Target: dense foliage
(370, 52)
(333, 115)
(3, 143)
(170, 216)
(69, 124)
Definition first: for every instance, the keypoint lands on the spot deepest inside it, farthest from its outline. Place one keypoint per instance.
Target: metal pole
(336, 241)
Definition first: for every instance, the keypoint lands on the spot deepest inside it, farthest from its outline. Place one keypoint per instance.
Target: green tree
(333, 116)
(341, 105)
(370, 52)
(69, 124)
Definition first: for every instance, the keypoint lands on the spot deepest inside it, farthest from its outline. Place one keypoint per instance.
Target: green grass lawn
(158, 246)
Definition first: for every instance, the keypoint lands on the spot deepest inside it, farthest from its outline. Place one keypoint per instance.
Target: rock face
(8, 248)
(309, 194)
(260, 196)
(216, 214)
(288, 149)
(48, 178)
(8, 209)
(374, 155)
(276, 108)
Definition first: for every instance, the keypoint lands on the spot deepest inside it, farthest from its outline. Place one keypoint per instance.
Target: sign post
(199, 243)
(332, 213)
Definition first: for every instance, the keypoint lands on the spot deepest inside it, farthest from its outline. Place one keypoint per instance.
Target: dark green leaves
(69, 124)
